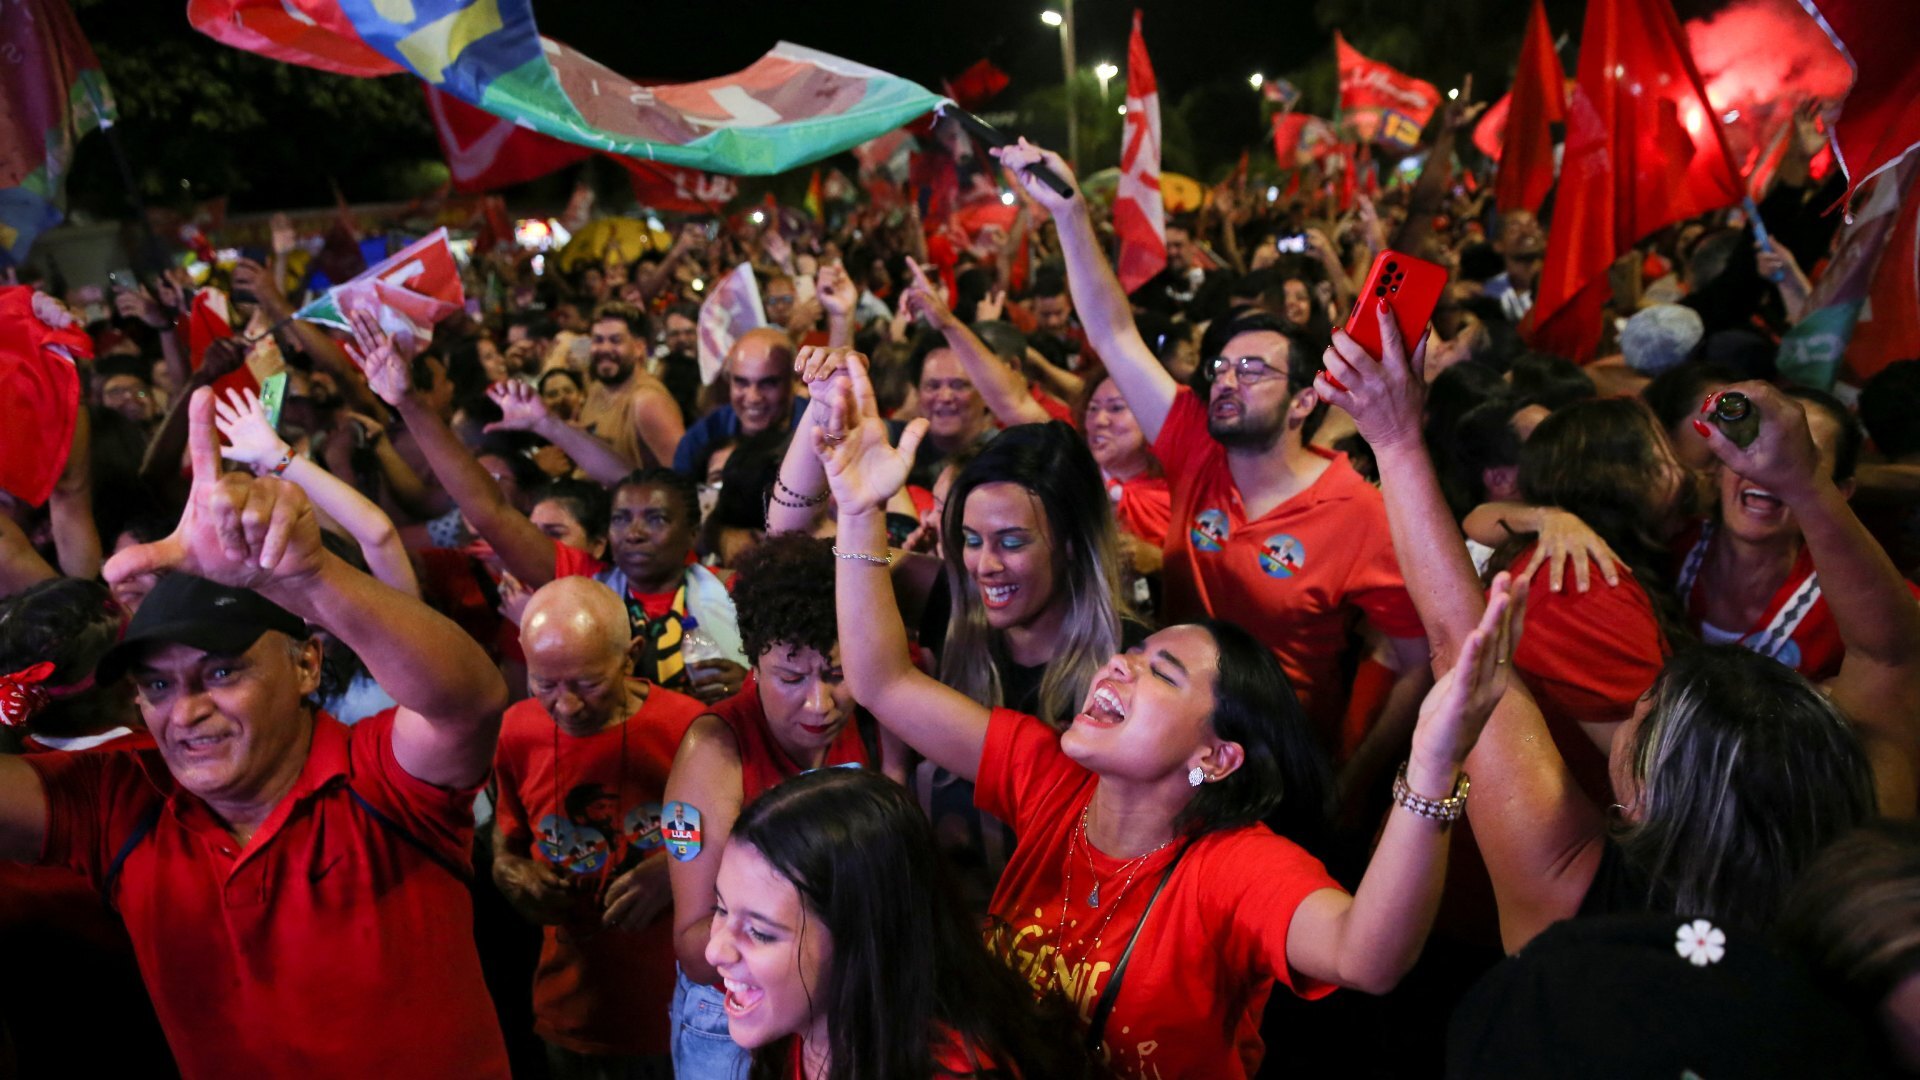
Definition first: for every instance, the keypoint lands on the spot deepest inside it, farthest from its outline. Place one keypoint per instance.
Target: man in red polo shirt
(581, 770)
(294, 889)
(1268, 531)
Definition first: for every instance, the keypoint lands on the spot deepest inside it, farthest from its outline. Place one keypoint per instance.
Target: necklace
(1131, 866)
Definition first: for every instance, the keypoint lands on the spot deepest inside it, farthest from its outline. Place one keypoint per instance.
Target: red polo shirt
(1289, 576)
(330, 945)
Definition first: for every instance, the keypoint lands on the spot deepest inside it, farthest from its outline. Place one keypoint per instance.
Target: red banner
(1384, 105)
(1139, 214)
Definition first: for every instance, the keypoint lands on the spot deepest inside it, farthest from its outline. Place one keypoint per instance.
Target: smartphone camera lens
(1381, 291)
(1392, 266)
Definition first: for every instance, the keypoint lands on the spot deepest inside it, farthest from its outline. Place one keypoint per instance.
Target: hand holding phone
(1410, 287)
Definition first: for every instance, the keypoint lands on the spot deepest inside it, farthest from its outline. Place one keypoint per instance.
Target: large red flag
(1139, 217)
(1538, 102)
(1879, 122)
(1644, 150)
(1382, 103)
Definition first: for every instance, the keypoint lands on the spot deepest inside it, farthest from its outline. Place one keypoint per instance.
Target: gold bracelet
(1445, 811)
(861, 556)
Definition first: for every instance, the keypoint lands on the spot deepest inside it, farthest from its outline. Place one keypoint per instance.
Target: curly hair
(785, 595)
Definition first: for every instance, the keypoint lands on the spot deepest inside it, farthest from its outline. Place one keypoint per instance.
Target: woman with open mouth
(844, 951)
(1140, 839)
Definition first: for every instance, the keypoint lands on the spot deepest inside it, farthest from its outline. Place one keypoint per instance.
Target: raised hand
(1385, 395)
(250, 276)
(520, 406)
(1782, 457)
(241, 531)
(836, 291)
(990, 306)
(252, 441)
(1456, 710)
(1023, 155)
(390, 375)
(922, 297)
(139, 303)
(280, 228)
(863, 469)
(818, 368)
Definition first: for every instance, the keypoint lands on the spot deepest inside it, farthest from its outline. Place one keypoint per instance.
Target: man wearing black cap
(295, 889)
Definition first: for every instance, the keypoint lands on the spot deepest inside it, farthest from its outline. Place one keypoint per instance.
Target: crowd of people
(988, 673)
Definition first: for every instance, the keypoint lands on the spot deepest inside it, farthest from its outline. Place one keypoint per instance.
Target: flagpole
(1066, 60)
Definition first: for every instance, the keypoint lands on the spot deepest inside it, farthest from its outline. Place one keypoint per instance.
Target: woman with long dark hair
(1731, 771)
(1140, 844)
(845, 953)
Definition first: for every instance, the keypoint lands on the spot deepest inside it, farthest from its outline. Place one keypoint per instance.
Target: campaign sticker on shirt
(643, 828)
(556, 836)
(682, 829)
(1282, 556)
(1209, 531)
(578, 849)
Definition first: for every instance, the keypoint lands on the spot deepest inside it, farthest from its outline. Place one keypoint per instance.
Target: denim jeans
(702, 1048)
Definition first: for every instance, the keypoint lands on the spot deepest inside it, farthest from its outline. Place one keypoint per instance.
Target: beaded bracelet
(861, 556)
(806, 501)
(1446, 811)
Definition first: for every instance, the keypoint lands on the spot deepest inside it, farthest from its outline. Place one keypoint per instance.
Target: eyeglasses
(1248, 369)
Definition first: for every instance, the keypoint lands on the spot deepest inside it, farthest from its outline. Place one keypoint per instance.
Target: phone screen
(273, 394)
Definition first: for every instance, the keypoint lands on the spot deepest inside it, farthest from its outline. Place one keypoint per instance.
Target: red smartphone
(1414, 286)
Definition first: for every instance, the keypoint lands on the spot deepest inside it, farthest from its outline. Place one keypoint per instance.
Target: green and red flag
(51, 93)
(791, 107)
(407, 293)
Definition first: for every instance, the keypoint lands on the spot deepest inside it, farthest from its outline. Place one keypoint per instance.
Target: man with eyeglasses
(1268, 531)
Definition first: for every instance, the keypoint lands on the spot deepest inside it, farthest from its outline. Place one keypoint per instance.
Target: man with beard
(1248, 483)
(626, 407)
(760, 397)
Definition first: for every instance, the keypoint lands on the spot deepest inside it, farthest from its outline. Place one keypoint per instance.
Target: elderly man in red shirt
(295, 889)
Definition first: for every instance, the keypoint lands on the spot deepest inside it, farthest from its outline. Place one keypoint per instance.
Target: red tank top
(762, 762)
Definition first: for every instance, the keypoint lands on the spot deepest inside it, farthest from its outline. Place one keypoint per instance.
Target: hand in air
(1386, 395)
(1782, 458)
(251, 440)
(379, 356)
(1456, 710)
(521, 408)
(1023, 155)
(863, 469)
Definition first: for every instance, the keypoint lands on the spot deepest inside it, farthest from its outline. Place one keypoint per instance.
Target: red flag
(1380, 102)
(732, 308)
(1538, 102)
(39, 391)
(1879, 122)
(1644, 150)
(486, 152)
(1139, 217)
(659, 186)
(1491, 132)
(977, 85)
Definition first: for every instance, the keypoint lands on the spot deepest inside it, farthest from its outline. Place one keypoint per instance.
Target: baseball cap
(187, 610)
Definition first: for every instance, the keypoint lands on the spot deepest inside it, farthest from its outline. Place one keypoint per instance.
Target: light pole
(1063, 20)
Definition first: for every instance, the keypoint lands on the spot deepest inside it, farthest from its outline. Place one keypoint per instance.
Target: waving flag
(1538, 101)
(731, 309)
(1644, 150)
(51, 93)
(1879, 122)
(39, 391)
(1139, 216)
(407, 293)
(1383, 105)
(485, 152)
(791, 107)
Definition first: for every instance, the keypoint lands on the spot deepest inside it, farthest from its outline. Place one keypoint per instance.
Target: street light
(1256, 79)
(1064, 21)
(1104, 72)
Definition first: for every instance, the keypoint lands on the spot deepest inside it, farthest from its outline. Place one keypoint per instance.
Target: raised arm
(945, 725)
(524, 550)
(262, 534)
(522, 410)
(1001, 387)
(706, 776)
(1540, 835)
(76, 539)
(254, 442)
(313, 341)
(1878, 686)
(1097, 296)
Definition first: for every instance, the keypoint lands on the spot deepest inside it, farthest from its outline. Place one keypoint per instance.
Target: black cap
(1653, 996)
(187, 610)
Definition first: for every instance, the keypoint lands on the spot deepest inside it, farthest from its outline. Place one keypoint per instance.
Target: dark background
(199, 119)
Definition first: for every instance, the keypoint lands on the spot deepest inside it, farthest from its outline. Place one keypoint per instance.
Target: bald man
(760, 398)
(577, 844)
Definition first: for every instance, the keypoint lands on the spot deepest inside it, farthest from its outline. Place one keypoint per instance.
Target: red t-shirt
(1199, 979)
(1056, 409)
(330, 945)
(1289, 576)
(1797, 626)
(762, 762)
(593, 811)
(1143, 506)
(1588, 657)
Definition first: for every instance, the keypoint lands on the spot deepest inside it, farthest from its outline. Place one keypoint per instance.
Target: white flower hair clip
(1700, 943)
